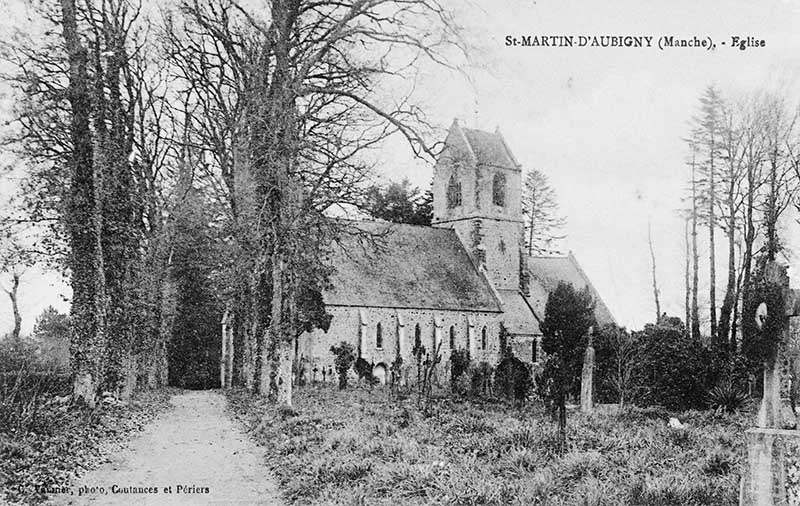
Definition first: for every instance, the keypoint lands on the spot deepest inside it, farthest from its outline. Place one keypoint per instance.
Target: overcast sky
(605, 124)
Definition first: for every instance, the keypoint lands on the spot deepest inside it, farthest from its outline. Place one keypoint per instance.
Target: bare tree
(624, 360)
(13, 264)
(295, 96)
(653, 269)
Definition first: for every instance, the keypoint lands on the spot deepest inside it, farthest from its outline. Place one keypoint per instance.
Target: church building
(461, 283)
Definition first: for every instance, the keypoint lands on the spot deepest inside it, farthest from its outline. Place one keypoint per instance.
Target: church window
(453, 193)
(417, 337)
(483, 338)
(452, 338)
(499, 189)
(535, 350)
(378, 337)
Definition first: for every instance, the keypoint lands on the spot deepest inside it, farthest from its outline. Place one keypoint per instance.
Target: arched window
(417, 337)
(453, 192)
(378, 337)
(499, 189)
(535, 350)
(483, 338)
(452, 338)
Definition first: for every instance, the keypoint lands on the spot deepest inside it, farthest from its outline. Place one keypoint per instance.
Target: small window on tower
(483, 338)
(452, 338)
(378, 337)
(453, 193)
(502, 246)
(499, 189)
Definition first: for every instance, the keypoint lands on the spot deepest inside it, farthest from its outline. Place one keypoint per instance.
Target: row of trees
(744, 174)
(290, 94)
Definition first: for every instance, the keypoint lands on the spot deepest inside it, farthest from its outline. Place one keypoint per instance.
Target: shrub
(26, 385)
(726, 397)
(676, 369)
(480, 379)
(513, 379)
(459, 364)
(364, 370)
(719, 462)
(344, 357)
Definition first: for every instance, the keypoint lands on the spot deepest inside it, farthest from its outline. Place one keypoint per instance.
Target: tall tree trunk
(84, 224)
(749, 230)
(724, 328)
(13, 295)
(686, 276)
(712, 263)
(695, 257)
(655, 281)
(530, 223)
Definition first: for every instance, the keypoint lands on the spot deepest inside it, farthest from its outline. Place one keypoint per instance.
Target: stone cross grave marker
(772, 475)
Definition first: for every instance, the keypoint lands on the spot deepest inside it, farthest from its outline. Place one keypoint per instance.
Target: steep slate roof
(546, 272)
(412, 267)
(518, 317)
(489, 149)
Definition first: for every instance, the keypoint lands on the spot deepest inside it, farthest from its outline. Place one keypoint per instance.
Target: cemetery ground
(361, 446)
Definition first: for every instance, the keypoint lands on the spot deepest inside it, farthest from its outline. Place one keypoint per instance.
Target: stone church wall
(359, 325)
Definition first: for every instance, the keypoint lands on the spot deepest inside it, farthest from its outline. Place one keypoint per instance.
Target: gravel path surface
(193, 454)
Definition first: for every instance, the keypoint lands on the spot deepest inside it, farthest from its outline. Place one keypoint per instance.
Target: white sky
(604, 124)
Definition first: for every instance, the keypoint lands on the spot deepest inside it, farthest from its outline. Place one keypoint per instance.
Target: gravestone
(772, 475)
(587, 377)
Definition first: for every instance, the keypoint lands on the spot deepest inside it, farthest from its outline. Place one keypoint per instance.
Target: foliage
(617, 364)
(512, 379)
(676, 369)
(758, 345)
(360, 446)
(400, 203)
(52, 331)
(726, 397)
(195, 346)
(481, 375)
(568, 316)
(459, 365)
(344, 354)
(364, 370)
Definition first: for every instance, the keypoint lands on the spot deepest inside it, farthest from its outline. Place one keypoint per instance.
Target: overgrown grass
(359, 447)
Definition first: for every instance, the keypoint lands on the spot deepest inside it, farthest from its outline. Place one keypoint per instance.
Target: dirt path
(193, 454)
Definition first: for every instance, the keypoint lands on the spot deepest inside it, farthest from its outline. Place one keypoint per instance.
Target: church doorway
(379, 372)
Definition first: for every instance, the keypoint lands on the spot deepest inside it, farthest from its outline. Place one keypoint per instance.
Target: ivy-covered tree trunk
(84, 224)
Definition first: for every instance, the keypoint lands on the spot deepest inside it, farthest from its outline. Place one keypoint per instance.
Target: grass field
(359, 447)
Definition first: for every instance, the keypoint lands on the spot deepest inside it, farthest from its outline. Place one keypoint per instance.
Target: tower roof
(489, 149)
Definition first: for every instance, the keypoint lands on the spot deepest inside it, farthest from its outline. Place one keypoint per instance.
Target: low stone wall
(772, 474)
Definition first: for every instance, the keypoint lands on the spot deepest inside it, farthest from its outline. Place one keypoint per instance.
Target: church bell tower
(476, 191)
